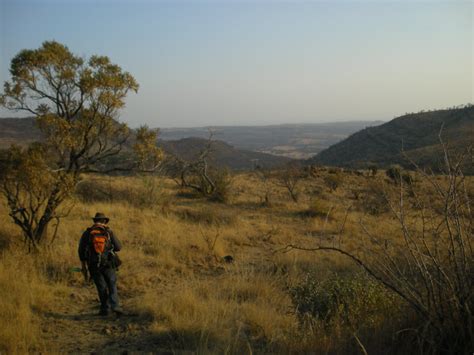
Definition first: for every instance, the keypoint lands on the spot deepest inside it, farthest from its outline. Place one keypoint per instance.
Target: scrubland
(184, 294)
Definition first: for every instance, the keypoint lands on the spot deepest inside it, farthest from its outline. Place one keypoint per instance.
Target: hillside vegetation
(181, 293)
(416, 135)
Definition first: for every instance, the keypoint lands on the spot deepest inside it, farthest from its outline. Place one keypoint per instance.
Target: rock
(228, 259)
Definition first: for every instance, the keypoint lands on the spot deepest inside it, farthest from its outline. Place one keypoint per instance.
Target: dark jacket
(85, 246)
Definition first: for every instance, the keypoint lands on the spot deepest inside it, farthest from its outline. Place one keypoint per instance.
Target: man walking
(97, 249)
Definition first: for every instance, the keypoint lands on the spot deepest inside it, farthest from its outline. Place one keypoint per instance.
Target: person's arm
(85, 270)
(82, 247)
(82, 251)
(115, 242)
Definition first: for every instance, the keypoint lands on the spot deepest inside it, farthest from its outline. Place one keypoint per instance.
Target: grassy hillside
(416, 134)
(179, 292)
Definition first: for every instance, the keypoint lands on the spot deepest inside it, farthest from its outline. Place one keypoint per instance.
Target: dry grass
(174, 271)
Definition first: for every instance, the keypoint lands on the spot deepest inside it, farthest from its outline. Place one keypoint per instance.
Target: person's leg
(102, 290)
(111, 280)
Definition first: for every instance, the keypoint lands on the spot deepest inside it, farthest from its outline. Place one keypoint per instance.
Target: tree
(198, 175)
(76, 105)
(289, 178)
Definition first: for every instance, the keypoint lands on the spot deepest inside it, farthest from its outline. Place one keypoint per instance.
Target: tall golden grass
(175, 274)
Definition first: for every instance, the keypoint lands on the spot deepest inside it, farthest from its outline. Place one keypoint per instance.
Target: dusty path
(75, 327)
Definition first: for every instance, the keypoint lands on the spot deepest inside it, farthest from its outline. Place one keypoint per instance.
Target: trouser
(106, 282)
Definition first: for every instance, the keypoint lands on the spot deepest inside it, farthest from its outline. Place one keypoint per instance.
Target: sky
(258, 62)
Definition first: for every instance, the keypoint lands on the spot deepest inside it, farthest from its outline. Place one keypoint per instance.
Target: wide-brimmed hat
(100, 216)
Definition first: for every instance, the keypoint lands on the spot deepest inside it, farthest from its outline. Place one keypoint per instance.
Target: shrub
(356, 300)
(374, 201)
(373, 169)
(333, 181)
(317, 208)
(396, 174)
(222, 185)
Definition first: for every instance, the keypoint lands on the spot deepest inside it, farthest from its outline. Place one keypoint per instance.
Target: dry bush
(396, 174)
(374, 200)
(290, 178)
(334, 181)
(222, 186)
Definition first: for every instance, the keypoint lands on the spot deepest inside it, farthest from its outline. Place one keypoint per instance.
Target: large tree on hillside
(76, 104)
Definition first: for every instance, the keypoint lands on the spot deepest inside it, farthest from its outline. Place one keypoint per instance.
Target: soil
(75, 327)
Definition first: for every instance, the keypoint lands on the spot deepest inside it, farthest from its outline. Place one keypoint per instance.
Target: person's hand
(85, 272)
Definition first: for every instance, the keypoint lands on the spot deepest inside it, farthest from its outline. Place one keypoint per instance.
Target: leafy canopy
(76, 105)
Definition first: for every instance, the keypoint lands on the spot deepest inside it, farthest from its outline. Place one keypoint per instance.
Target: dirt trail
(73, 324)
(75, 327)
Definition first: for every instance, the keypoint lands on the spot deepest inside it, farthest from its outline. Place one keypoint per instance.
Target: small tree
(289, 179)
(76, 104)
(264, 176)
(197, 174)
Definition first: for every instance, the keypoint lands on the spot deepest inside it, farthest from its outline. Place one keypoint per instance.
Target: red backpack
(100, 243)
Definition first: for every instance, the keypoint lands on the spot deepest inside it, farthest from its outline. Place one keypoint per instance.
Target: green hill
(410, 137)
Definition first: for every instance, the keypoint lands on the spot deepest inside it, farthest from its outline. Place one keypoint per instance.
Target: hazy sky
(262, 62)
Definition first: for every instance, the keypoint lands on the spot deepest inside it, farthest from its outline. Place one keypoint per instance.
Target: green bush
(355, 300)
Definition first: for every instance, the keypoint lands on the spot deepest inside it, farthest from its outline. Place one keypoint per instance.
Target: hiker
(97, 249)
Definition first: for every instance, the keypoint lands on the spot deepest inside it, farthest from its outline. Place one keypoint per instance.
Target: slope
(416, 136)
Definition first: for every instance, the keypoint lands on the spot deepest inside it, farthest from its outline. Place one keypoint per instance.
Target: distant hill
(416, 134)
(222, 154)
(299, 141)
(21, 131)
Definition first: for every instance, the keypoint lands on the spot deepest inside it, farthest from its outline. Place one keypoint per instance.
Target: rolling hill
(415, 136)
(22, 131)
(222, 154)
(298, 141)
